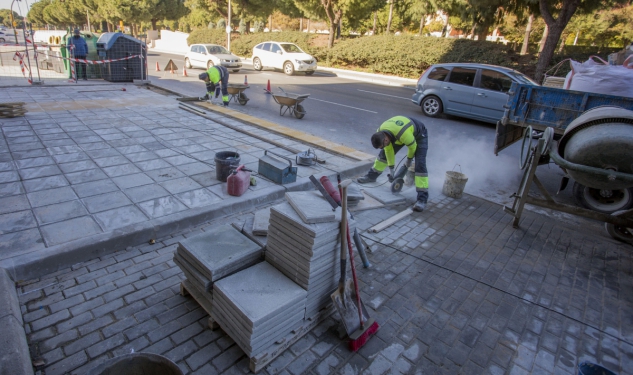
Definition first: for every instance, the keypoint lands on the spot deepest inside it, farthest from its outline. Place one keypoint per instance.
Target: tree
(165, 10)
(557, 15)
(36, 13)
(5, 18)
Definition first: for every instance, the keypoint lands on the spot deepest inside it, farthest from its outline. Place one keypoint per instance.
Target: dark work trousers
(81, 65)
(224, 79)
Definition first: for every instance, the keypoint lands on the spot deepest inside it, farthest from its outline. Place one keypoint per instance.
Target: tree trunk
(308, 26)
(373, 30)
(390, 17)
(338, 29)
(482, 33)
(541, 44)
(248, 27)
(562, 43)
(330, 41)
(270, 23)
(422, 24)
(153, 24)
(576, 38)
(526, 37)
(301, 24)
(109, 27)
(472, 31)
(547, 53)
(445, 28)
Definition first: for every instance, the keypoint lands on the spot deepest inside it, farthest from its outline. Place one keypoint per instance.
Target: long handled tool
(359, 330)
(333, 197)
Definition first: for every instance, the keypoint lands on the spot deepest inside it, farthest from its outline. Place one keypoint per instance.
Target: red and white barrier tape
(22, 66)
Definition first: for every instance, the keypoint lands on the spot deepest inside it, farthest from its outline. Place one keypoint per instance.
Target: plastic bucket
(137, 364)
(224, 162)
(454, 184)
(588, 368)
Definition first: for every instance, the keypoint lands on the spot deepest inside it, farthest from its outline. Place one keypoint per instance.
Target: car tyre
(432, 106)
(257, 64)
(605, 201)
(289, 69)
(210, 64)
(187, 63)
(1, 40)
(235, 70)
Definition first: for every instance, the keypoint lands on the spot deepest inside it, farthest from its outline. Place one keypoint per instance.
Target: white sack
(600, 77)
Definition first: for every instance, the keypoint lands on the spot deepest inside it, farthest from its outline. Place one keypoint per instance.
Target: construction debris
(14, 109)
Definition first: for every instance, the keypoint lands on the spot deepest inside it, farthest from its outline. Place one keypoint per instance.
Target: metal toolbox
(278, 169)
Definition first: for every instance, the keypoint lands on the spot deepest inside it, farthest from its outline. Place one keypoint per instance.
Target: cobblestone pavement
(455, 289)
(89, 164)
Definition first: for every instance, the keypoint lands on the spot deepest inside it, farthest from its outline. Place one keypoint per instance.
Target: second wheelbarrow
(236, 91)
(290, 103)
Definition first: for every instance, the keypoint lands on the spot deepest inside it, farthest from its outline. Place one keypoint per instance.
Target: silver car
(207, 55)
(476, 91)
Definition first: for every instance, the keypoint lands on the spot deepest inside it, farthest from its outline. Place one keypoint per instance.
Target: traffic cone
(245, 80)
(157, 67)
(268, 88)
(184, 72)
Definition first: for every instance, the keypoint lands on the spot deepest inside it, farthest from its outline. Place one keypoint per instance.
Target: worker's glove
(408, 162)
(392, 173)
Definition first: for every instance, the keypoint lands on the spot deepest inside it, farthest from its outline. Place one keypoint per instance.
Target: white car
(207, 55)
(7, 36)
(286, 56)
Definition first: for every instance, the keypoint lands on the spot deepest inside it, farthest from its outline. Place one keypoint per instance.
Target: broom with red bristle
(368, 326)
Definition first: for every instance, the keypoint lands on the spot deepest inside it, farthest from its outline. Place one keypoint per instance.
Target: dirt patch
(320, 41)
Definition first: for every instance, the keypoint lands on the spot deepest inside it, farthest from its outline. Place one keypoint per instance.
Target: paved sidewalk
(95, 169)
(455, 289)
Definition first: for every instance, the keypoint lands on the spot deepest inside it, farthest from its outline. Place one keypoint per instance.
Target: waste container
(116, 46)
(137, 364)
(92, 71)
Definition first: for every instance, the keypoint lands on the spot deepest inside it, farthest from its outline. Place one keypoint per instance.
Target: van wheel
(209, 64)
(431, 106)
(289, 69)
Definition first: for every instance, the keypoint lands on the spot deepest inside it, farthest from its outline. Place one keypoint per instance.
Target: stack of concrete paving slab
(308, 253)
(218, 252)
(258, 306)
(354, 195)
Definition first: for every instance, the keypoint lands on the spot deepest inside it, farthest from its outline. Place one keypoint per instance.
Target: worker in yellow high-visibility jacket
(216, 75)
(390, 137)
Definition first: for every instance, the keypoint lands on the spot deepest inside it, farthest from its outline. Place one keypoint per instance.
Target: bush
(211, 25)
(242, 28)
(221, 24)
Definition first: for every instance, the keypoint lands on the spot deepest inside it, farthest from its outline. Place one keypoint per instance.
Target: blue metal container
(278, 169)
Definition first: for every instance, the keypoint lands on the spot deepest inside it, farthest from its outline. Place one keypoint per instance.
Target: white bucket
(454, 184)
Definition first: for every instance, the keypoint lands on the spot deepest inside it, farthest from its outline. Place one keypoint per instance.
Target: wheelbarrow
(236, 91)
(290, 103)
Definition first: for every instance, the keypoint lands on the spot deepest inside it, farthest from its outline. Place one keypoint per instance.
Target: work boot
(225, 104)
(371, 176)
(419, 206)
(205, 97)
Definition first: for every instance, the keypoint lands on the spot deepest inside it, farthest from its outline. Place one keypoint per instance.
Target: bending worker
(214, 76)
(394, 133)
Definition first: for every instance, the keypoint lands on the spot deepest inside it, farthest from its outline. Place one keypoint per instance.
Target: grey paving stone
(11, 188)
(59, 212)
(180, 185)
(150, 165)
(16, 242)
(77, 166)
(133, 180)
(34, 162)
(69, 230)
(16, 221)
(196, 168)
(51, 196)
(165, 174)
(119, 217)
(121, 170)
(111, 160)
(311, 206)
(37, 172)
(108, 201)
(145, 192)
(161, 206)
(13, 204)
(67, 158)
(86, 176)
(197, 198)
(67, 364)
(44, 183)
(89, 189)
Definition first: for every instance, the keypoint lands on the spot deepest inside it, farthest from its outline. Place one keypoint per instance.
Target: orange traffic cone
(184, 72)
(245, 80)
(268, 88)
(157, 67)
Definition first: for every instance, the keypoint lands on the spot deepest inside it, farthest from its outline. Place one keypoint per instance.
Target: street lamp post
(228, 29)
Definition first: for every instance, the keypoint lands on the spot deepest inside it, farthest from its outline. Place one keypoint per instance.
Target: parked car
(476, 91)
(286, 56)
(207, 55)
(7, 36)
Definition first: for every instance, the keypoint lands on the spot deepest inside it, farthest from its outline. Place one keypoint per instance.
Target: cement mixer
(589, 136)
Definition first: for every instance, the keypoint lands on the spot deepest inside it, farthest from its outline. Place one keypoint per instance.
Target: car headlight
(299, 62)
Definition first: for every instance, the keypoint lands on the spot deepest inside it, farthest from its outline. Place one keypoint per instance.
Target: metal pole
(228, 29)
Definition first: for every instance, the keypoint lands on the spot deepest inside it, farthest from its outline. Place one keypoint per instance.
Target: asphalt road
(348, 112)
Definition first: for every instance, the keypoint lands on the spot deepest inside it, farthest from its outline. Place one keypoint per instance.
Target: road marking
(378, 93)
(343, 105)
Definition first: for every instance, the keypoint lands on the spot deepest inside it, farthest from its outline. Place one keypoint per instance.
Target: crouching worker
(394, 133)
(214, 76)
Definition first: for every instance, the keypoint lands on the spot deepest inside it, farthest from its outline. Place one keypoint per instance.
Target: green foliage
(211, 25)
(5, 18)
(259, 26)
(242, 27)
(221, 24)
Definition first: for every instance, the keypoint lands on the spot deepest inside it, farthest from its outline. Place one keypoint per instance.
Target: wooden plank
(262, 360)
(187, 288)
(382, 225)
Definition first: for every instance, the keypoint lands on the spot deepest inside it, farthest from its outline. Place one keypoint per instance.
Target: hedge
(400, 55)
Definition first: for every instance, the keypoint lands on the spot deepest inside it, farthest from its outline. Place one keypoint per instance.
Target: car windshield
(291, 48)
(215, 50)
(522, 78)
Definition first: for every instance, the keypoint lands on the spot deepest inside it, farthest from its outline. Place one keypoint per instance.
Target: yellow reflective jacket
(401, 131)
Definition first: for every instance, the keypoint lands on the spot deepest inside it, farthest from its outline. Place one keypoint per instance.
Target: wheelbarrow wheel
(619, 233)
(299, 111)
(242, 99)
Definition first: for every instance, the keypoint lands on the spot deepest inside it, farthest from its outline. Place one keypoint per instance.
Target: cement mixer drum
(603, 138)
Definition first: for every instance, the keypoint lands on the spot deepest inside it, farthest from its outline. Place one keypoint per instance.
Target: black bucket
(137, 364)
(588, 368)
(224, 162)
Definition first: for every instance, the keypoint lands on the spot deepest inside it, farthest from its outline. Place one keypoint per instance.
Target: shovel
(346, 298)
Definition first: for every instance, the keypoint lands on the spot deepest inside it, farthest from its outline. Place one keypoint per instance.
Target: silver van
(476, 91)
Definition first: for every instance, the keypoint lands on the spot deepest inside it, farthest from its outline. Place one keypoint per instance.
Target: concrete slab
(306, 249)
(219, 251)
(260, 293)
(311, 206)
(261, 222)
(192, 273)
(385, 196)
(354, 193)
(287, 213)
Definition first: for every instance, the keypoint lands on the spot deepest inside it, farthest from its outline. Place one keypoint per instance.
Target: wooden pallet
(14, 109)
(263, 359)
